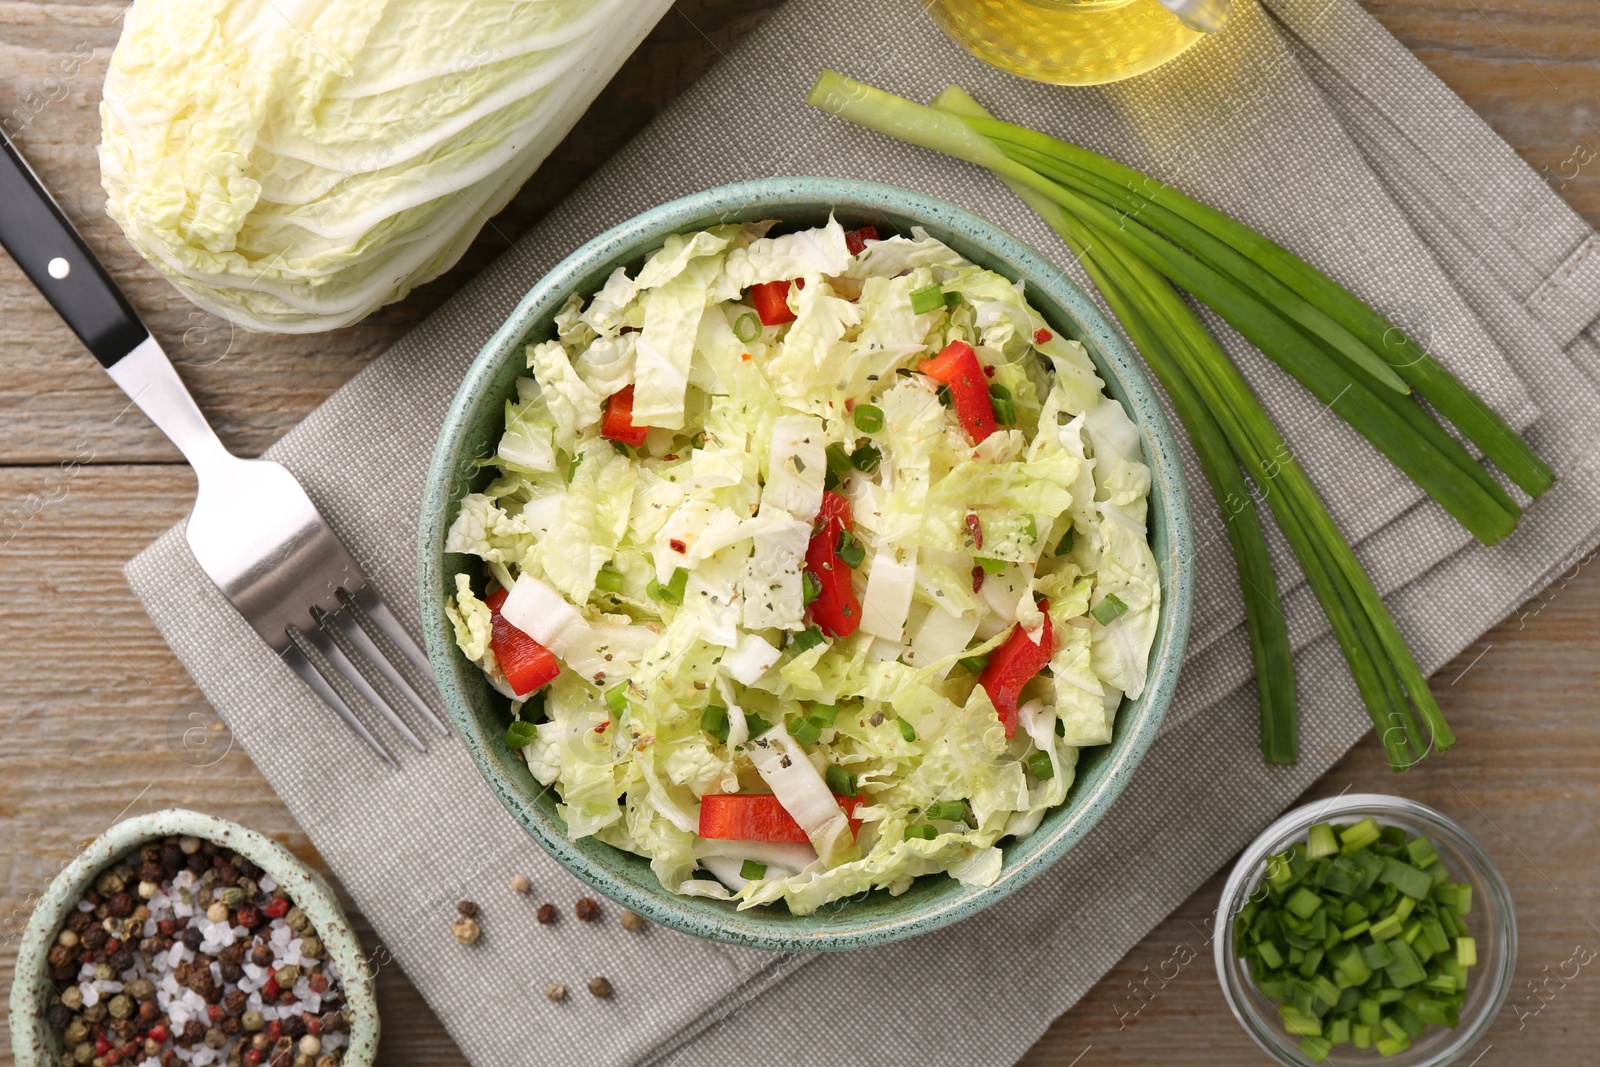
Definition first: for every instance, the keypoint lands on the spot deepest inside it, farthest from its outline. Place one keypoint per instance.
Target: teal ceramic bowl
(33, 1042)
(473, 426)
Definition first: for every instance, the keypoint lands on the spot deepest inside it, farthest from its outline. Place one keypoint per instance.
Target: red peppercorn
(248, 916)
(131, 1050)
(252, 1057)
(274, 1028)
(167, 927)
(215, 1013)
(158, 1033)
(112, 946)
(269, 989)
(278, 908)
(102, 1044)
(319, 983)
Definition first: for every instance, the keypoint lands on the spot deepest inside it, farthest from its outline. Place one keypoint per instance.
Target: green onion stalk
(1138, 240)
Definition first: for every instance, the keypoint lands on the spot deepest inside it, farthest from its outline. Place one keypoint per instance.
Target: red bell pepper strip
(1013, 665)
(855, 241)
(836, 609)
(526, 663)
(758, 817)
(772, 302)
(618, 422)
(958, 368)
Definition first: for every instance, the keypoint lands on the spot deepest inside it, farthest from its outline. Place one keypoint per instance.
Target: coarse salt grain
(266, 883)
(84, 905)
(91, 995)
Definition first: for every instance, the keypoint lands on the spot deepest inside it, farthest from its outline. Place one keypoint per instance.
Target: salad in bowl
(809, 563)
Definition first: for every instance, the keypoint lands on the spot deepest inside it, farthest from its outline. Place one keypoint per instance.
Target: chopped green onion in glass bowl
(1365, 929)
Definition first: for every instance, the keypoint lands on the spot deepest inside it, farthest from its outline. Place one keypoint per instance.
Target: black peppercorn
(588, 909)
(261, 955)
(58, 1016)
(231, 972)
(546, 913)
(294, 1026)
(171, 858)
(197, 862)
(192, 938)
(121, 960)
(468, 908)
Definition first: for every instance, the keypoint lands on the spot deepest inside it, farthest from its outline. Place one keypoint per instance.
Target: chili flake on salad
(810, 562)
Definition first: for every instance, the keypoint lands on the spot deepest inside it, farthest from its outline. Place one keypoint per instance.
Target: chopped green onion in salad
(809, 562)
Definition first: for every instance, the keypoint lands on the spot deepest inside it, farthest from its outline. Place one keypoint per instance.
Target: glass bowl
(1491, 922)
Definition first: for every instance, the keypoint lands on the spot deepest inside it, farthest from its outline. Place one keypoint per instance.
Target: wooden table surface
(99, 717)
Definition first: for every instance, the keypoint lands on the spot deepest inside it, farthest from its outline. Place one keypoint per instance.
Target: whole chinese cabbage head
(292, 165)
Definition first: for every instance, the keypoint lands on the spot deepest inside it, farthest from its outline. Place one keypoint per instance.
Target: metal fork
(253, 529)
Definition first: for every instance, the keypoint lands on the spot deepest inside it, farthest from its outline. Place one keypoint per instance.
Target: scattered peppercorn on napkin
(1306, 120)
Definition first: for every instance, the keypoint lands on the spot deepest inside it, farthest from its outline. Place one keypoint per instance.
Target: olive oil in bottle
(1077, 42)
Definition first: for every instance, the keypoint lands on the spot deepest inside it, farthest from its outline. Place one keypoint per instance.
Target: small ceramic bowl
(36, 1045)
(1491, 923)
(473, 426)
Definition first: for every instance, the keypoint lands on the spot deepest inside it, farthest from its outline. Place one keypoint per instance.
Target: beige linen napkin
(1304, 118)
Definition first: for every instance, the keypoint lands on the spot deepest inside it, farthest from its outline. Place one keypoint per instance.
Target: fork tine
(341, 663)
(311, 674)
(374, 609)
(353, 633)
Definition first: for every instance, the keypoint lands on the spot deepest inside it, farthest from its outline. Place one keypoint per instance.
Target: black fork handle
(51, 253)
